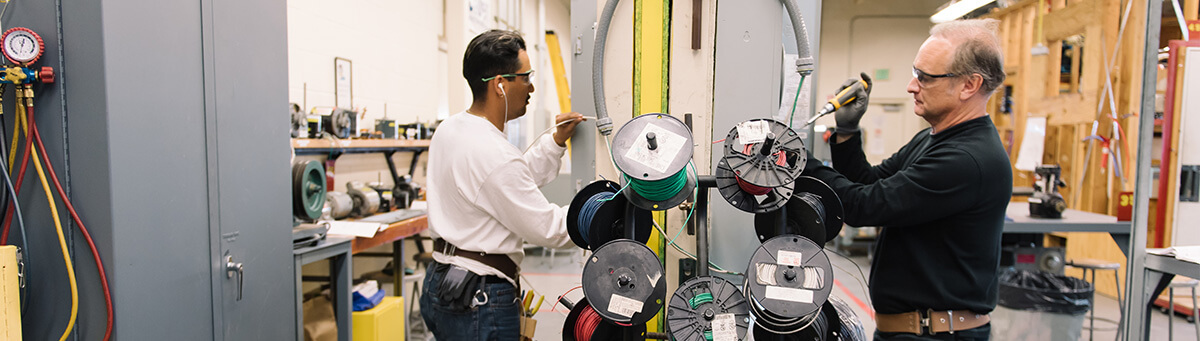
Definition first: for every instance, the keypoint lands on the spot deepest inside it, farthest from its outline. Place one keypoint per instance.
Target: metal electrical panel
(748, 77)
(583, 148)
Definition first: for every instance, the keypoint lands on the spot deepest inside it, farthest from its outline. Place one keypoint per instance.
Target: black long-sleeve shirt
(940, 203)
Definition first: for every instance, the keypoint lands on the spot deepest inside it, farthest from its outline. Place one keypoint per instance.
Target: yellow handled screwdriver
(841, 99)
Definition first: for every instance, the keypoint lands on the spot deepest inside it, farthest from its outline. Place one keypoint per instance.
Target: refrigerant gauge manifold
(22, 46)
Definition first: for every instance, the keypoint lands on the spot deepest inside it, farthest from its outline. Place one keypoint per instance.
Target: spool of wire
(815, 212)
(788, 279)
(708, 308)
(597, 215)
(625, 282)
(762, 157)
(652, 151)
(584, 324)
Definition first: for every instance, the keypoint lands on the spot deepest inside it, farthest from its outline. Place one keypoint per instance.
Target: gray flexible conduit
(804, 64)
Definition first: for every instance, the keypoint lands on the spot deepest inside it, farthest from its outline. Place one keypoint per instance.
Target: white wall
(866, 35)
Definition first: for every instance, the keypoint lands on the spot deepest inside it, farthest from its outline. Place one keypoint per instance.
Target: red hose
(71, 208)
(8, 212)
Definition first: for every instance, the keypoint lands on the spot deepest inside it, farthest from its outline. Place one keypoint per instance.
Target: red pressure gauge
(22, 46)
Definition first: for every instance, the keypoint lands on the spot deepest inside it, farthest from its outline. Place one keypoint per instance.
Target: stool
(1096, 264)
(1181, 282)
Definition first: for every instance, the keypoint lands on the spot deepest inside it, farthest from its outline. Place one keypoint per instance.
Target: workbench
(395, 233)
(1017, 220)
(1158, 273)
(337, 251)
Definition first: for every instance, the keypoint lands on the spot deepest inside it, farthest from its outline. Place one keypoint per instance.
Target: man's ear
(971, 86)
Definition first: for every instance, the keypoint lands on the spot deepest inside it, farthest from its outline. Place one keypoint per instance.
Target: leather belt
(933, 322)
(501, 262)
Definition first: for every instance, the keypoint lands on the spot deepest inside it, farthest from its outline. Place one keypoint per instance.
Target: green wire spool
(708, 307)
(653, 152)
(308, 190)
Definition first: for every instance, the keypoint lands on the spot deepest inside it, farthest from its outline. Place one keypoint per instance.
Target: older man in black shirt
(941, 199)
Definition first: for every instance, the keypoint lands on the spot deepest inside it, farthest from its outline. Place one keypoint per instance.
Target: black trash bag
(1044, 291)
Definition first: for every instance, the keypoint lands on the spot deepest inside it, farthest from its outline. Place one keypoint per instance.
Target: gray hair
(977, 50)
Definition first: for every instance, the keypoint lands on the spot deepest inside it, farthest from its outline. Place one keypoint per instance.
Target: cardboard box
(383, 322)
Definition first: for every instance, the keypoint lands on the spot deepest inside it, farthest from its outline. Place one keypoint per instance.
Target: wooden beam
(1069, 21)
(1190, 9)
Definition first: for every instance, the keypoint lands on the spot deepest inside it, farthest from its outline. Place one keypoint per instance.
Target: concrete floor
(552, 276)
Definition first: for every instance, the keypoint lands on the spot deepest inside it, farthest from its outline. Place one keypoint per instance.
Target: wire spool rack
(653, 151)
(308, 190)
(815, 212)
(625, 283)
(788, 280)
(707, 308)
(598, 215)
(762, 157)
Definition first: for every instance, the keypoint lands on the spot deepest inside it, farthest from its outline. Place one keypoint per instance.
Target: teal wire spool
(597, 215)
(707, 305)
(652, 152)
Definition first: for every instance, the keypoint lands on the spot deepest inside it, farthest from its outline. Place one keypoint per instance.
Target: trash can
(1037, 305)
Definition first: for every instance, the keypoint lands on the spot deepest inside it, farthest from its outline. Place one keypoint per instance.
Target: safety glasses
(528, 75)
(924, 78)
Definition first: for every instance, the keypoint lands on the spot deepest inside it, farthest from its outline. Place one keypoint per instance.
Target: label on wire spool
(658, 159)
(624, 306)
(724, 328)
(789, 294)
(789, 258)
(751, 132)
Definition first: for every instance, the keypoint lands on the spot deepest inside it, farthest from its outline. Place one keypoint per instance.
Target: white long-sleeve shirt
(483, 193)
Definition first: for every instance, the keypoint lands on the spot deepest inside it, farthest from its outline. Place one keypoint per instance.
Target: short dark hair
(491, 53)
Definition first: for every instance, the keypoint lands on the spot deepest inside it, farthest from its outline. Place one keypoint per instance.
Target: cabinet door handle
(232, 269)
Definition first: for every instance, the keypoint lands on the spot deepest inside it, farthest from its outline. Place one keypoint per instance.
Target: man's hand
(849, 115)
(566, 130)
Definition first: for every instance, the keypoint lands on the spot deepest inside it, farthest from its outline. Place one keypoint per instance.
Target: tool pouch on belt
(458, 287)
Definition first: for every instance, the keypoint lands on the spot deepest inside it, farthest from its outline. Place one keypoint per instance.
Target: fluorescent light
(957, 10)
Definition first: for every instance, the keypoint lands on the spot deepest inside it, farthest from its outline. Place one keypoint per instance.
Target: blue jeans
(984, 332)
(496, 318)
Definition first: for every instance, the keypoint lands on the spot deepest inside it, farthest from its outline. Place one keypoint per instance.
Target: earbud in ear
(501, 86)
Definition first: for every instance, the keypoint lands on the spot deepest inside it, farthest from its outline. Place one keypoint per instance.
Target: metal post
(1138, 305)
(701, 216)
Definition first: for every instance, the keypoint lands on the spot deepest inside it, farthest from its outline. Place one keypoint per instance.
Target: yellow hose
(12, 154)
(62, 241)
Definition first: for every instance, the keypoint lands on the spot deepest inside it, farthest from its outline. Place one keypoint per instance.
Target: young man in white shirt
(484, 202)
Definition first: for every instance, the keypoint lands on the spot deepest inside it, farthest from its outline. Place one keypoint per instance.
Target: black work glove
(849, 115)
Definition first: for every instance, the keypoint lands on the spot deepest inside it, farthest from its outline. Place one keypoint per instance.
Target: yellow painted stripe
(651, 46)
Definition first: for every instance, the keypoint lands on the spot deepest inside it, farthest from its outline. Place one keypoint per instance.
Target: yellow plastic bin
(383, 322)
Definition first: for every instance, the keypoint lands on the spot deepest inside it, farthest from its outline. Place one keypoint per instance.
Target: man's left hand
(566, 130)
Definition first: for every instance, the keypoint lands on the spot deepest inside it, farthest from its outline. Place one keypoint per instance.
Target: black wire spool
(604, 330)
(773, 162)
(704, 304)
(727, 185)
(788, 279)
(608, 220)
(308, 189)
(625, 282)
(814, 212)
(654, 147)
